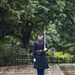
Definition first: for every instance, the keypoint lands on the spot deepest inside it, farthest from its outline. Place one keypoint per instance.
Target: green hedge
(61, 57)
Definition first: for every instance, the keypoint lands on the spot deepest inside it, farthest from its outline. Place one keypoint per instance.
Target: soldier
(39, 56)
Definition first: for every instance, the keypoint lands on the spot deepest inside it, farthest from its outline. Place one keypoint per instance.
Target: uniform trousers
(40, 71)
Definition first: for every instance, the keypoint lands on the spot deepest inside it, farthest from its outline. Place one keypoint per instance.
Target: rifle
(44, 37)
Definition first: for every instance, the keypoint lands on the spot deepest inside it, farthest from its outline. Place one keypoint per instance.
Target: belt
(39, 50)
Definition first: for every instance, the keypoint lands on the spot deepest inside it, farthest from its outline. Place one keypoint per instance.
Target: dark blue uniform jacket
(41, 60)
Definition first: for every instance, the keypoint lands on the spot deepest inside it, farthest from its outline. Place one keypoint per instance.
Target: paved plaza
(54, 69)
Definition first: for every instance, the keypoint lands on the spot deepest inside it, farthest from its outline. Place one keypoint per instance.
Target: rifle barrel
(44, 38)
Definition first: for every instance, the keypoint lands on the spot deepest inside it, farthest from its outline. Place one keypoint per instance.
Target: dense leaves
(23, 19)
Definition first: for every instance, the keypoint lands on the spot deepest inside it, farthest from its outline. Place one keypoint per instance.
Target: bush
(8, 53)
(48, 53)
(61, 57)
(64, 57)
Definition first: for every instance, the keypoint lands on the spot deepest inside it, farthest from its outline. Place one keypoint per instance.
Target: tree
(25, 18)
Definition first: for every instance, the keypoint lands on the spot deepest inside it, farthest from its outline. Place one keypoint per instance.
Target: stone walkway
(68, 69)
(55, 70)
(28, 70)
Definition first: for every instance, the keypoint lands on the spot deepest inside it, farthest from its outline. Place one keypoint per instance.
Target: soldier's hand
(45, 49)
(34, 60)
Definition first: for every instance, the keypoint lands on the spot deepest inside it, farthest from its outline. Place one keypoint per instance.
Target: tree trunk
(26, 33)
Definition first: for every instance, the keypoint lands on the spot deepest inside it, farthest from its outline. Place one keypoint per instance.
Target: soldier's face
(40, 37)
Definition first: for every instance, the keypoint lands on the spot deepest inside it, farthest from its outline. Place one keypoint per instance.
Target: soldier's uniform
(39, 54)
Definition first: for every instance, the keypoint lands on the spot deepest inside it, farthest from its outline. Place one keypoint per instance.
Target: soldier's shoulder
(43, 40)
(35, 41)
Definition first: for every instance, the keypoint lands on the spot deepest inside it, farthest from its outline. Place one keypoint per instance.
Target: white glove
(45, 49)
(34, 60)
